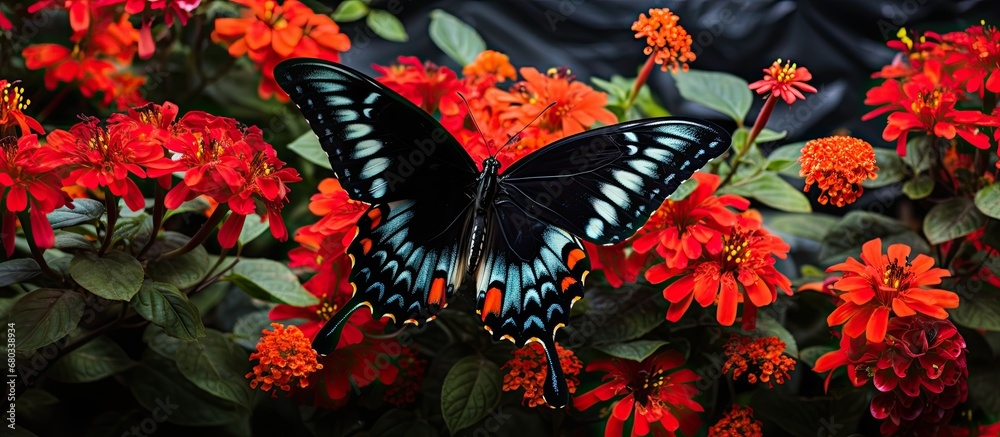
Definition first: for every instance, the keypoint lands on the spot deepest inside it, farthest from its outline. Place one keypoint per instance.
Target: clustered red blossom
(761, 359)
(738, 422)
(919, 370)
(285, 359)
(104, 44)
(837, 165)
(927, 83)
(269, 32)
(412, 370)
(668, 42)
(527, 370)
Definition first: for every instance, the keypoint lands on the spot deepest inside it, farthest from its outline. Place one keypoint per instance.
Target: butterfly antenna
(473, 117)
(516, 136)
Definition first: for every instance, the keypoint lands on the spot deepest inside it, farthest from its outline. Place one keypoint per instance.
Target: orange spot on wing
(366, 245)
(376, 216)
(574, 257)
(437, 292)
(494, 298)
(567, 282)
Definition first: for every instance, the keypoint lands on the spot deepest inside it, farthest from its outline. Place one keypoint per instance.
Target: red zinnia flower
(527, 370)
(761, 358)
(179, 9)
(338, 214)
(881, 284)
(33, 182)
(63, 65)
(286, 359)
(656, 392)
(667, 41)
(743, 271)
(738, 422)
(426, 85)
(104, 156)
(977, 57)
(12, 106)
(786, 82)
(681, 230)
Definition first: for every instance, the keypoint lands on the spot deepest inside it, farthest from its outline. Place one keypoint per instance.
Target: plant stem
(112, 210)
(758, 125)
(159, 210)
(36, 252)
(640, 81)
(200, 236)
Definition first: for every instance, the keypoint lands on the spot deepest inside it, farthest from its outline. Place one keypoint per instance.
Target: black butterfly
(436, 217)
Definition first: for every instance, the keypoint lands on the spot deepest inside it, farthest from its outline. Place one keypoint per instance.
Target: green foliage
(270, 280)
(891, 169)
(44, 316)
(95, 360)
(637, 350)
(169, 309)
(988, 200)
(771, 190)
(858, 227)
(83, 211)
(18, 270)
(470, 391)
(952, 219)
(116, 275)
(456, 39)
(386, 25)
(307, 146)
(350, 10)
(722, 92)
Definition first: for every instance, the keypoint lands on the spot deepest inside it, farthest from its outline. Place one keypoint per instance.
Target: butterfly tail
(329, 335)
(556, 394)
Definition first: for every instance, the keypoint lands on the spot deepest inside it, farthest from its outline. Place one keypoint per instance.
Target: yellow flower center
(326, 309)
(783, 74)
(926, 101)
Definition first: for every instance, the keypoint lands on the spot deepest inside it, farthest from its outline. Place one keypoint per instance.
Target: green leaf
(169, 309)
(789, 154)
(69, 241)
(739, 139)
(767, 135)
(771, 190)
(350, 10)
(767, 326)
(248, 327)
(918, 153)
(952, 219)
(812, 226)
(270, 280)
(890, 169)
(18, 270)
(919, 187)
(684, 189)
(84, 210)
(634, 350)
(386, 25)
(215, 364)
(96, 360)
(115, 276)
(253, 227)
(196, 205)
(456, 39)
(307, 146)
(157, 384)
(858, 227)
(988, 200)
(978, 311)
(45, 315)
(399, 422)
(821, 416)
(810, 354)
(722, 92)
(983, 390)
(617, 316)
(183, 271)
(471, 389)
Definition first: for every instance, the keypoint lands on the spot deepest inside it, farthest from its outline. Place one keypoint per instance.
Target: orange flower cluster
(285, 357)
(922, 92)
(766, 354)
(412, 372)
(837, 165)
(269, 32)
(667, 42)
(738, 422)
(527, 370)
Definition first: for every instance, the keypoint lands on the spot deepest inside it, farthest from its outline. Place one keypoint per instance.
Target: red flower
(338, 214)
(172, 9)
(881, 284)
(743, 271)
(681, 230)
(619, 267)
(738, 422)
(285, 359)
(977, 56)
(80, 12)
(99, 156)
(5, 23)
(159, 118)
(527, 370)
(577, 106)
(427, 85)
(656, 392)
(760, 358)
(34, 183)
(786, 82)
(12, 106)
(413, 369)
(62, 65)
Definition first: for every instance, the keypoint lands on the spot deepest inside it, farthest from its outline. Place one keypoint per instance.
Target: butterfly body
(436, 218)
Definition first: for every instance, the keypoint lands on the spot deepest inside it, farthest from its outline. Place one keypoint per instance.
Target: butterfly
(436, 218)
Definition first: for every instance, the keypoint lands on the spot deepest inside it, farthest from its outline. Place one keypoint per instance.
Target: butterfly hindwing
(603, 184)
(381, 147)
(530, 276)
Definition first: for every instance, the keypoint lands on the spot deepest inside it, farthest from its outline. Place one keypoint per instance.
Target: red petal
(728, 300)
(41, 229)
(230, 230)
(878, 324)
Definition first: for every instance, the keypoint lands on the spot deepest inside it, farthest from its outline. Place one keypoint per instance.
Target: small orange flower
(838, 165)
(669, 40)
(493, 64)
(577, 106)
(785, 81)
(286, 357)
(763, 353)
(883, 284)
(527, 370)
(738, 422)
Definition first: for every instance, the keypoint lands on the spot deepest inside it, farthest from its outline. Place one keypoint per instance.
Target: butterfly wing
(603, 184)
(381, 147)
(530, 276)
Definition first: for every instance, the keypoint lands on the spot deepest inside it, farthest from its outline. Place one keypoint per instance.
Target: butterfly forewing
(381, 147)
(603, 185)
